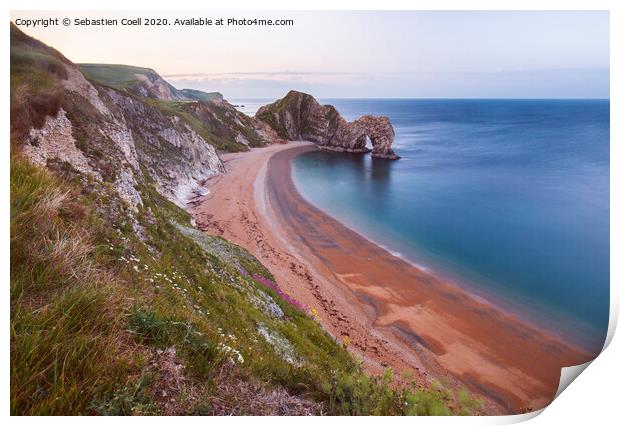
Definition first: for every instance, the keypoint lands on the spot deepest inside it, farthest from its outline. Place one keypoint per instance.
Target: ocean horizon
(507, 198)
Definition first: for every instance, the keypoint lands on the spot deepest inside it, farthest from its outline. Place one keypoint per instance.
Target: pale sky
(504, 54)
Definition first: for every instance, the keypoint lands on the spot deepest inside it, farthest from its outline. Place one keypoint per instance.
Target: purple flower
(272, 285)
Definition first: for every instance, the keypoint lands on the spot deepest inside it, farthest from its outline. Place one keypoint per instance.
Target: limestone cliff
(99, 133)
(298, 116)
(208, 114)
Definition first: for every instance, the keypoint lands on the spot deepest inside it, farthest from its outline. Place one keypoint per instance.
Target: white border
(591, 400)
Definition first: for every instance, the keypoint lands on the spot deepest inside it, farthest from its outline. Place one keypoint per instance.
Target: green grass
(91, 302)
(67, 338)
(114, 75)
(34, 63)
(36, 71)
(98, 292)
(201, 96)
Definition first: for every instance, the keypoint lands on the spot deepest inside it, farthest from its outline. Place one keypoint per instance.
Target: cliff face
(110, 136)
(123, 126)
(119, 305)
(208, 114)
(143, 82)
(298, 116)
(226, 126)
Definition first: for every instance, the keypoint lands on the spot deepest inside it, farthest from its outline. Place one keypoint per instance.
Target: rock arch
(298, 116)
(380, 132)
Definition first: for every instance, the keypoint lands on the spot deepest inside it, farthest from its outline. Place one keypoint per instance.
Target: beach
(392, 313)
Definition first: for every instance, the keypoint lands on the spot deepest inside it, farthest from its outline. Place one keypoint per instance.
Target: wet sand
(393, 313)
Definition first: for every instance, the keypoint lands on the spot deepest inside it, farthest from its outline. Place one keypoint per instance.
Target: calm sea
(507, 198)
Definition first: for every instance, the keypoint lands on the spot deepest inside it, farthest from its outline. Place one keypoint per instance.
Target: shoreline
(393, 313)
(543, 322)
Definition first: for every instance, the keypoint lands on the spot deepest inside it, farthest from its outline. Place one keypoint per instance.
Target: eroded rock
(298, 116)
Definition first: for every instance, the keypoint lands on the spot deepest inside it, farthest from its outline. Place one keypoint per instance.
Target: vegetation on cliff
(104, 321)
(199, 95)
(208, 114)
(215, 123)
(120, 306)
(133, 79)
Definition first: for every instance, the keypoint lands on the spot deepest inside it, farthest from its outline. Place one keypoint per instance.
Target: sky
(357, 54)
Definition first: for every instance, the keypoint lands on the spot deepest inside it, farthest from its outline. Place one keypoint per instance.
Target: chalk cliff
(120, 125)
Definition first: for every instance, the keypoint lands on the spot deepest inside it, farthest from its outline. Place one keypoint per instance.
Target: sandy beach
(394, 314)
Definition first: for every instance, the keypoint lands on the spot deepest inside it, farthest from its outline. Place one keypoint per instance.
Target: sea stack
(298, 116)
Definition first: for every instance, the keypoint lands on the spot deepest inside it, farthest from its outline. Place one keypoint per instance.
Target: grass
(122, 77)
(114, 75)
(106, 303)
(36, 71)
(67, 336)
(90, 302)
(201, 96)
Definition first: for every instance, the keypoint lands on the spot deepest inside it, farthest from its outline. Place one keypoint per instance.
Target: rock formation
(124, 126)
(108, 135)
(298, 116)
(143, 82)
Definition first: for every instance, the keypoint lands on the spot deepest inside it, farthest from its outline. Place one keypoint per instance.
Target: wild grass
(35, 91)
(114, 75)
(103, 297)
(67, 339)
(90, 302)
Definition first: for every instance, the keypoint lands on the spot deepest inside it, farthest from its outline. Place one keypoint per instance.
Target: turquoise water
(508, 198)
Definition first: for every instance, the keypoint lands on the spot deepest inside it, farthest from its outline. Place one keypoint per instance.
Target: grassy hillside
(213, 123)
(125, 76)
(106, 322)
(217, 124)
(36, 71)
(143, 82)
(115, 75)
(122, 311)
(201, 96)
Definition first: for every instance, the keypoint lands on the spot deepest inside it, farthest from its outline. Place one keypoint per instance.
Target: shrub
(133, 399)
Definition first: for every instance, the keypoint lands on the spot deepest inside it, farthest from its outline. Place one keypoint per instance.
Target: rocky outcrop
(228, 128)
(102, 134)
(177, 158)
(298, 116)
(208, 114)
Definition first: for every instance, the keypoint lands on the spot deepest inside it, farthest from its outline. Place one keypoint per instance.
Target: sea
(508, 199)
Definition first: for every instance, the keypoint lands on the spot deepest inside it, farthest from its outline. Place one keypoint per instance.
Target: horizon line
(435, 98)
